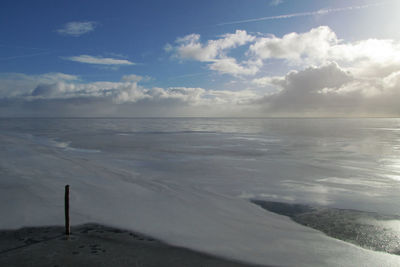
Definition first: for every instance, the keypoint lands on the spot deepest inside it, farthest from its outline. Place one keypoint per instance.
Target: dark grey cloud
(332, 91)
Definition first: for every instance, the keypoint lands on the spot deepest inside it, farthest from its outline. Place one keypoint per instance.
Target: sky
(220, 58)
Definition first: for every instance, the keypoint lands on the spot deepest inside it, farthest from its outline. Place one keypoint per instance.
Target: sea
(192, 182)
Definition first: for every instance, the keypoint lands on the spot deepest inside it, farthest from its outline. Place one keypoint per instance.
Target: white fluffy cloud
(189, 47)
(99, 60)
(230, 66)
(315, 47)
(321, 45)
(215, 52)
(77, 28)
(312, 46)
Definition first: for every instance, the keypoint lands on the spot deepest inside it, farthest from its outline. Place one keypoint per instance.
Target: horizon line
(205, 117)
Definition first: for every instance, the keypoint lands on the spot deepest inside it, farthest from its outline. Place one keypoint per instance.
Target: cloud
(181, 94)
(99, 60)
(328, 77)
(330, 90)
(215, 52)
(275, 2)
(189, 47)
(135, 78)
(57, 76)
(57, 86)
(267, 81)
(77, 28)
(230, 66)
(310, 47)
(302, 14)
(65, 90)
(17, 85)
(371, 57)
(315, 47)
(187, 95)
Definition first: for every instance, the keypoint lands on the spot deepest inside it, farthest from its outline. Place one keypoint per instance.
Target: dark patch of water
(366, 229)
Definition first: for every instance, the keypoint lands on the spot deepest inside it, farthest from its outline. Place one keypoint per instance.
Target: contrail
(302, 14)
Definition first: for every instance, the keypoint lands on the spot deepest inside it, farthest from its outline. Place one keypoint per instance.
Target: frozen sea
(189, 181)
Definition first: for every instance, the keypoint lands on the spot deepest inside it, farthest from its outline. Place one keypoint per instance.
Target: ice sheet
(110, 188)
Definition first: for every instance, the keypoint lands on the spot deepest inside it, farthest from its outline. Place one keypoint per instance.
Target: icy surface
(188, 181)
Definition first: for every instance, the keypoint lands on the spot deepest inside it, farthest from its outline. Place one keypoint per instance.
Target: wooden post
(66, 205)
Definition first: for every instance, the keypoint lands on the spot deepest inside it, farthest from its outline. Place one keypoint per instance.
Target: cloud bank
(329, 77)
(27, 94)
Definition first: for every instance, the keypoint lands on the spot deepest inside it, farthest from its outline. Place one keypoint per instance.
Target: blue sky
(196, 58)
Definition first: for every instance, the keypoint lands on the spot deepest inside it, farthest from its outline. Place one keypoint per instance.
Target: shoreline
(97, 245)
